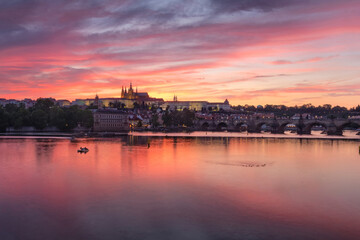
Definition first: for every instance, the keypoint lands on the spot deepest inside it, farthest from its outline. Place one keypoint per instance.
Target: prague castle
(129, 97)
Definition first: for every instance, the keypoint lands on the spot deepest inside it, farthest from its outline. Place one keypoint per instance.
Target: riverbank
(348, 135)
(64, 134)
(37, 134)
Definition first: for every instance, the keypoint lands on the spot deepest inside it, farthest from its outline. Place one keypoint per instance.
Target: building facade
(196, 105)
(111, 121)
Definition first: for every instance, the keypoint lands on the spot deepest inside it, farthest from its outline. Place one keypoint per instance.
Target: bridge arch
(205, 126)
(221, 126)
(350, 124)
(285, 125)
(309, 126)
(259, 126)
(239, 127)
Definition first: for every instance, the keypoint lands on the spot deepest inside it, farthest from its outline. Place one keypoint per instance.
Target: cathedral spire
(96, 101)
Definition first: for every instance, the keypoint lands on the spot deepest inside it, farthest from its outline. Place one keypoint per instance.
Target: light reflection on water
(347, 135)
(179, 188)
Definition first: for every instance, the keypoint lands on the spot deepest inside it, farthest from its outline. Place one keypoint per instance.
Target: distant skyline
(248, 51)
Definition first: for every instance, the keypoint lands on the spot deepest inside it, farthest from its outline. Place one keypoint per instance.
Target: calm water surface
(179, 188)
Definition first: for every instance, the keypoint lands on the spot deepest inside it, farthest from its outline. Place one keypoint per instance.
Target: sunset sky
(249, 51)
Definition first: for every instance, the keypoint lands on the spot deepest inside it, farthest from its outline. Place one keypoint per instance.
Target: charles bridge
(277, 126)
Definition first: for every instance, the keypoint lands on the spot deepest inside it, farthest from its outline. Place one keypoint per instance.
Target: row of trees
(177, 118)
(174, 118)
(44, 114)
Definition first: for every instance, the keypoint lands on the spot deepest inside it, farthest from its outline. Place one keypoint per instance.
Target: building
(130, 94)
(297, 116)
(28, 103)
(181, 105)
(111, 121)
(63, 103)
(216, 106)
(263, 115)
(196, 105)
(127, 99)
(4, 102)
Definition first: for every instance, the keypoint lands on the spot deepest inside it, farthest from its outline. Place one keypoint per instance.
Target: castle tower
(131, 94)
(131, 91)
(96, 101)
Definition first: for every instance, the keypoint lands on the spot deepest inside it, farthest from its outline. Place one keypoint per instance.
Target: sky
(290, 52)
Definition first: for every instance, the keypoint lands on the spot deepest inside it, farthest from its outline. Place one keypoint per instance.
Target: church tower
(96, 101)
(131, 92)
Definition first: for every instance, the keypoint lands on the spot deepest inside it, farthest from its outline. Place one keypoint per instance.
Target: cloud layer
(198, 49)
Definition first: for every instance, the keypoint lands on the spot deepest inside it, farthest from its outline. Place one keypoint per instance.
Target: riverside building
(111, 121)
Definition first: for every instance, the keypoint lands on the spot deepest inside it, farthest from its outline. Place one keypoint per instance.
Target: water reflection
(179, 188)
(44, 149)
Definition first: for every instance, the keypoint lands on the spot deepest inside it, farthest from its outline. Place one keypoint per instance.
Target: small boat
(83, 150)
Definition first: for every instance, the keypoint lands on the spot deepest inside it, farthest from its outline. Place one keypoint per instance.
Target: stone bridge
(303, 126)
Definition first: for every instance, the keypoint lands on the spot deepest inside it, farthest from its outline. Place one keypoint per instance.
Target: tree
(57, 118)
(18, 123)
(4, 120)
(18, 116)
(39, 119)
(188, 117)
(154, 120)
(139, 124)
(86, 118)
(136, 105)
(153, 108)
(167, 119)
(44, 104)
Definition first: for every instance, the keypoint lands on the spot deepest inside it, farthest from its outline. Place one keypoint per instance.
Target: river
(141, 187)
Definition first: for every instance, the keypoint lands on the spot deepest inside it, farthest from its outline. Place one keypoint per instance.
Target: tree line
(44, 114)
(178, 118)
